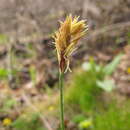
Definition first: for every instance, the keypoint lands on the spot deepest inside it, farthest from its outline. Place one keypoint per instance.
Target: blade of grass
(61, 77)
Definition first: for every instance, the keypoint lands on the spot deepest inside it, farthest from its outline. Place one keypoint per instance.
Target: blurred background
(98, 89)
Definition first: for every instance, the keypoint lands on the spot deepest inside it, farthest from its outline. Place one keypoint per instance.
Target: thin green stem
(61, 78)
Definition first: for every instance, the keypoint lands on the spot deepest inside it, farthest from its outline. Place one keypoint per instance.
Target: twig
(10, 65)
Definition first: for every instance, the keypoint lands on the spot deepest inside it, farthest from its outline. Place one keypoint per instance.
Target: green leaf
(85, 124)
(110, 68)
(106, 85)
(78, 118)
(88, 66)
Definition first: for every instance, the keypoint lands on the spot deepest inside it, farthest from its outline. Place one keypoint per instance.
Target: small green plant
(88, 84)
(28, 122)
(84, 91)
(114, 118)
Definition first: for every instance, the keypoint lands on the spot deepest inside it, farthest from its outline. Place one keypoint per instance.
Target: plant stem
(61, 77)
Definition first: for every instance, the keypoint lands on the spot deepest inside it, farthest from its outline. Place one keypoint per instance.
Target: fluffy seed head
(66, 39)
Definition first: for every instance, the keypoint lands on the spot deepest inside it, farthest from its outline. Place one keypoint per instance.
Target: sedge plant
(66, 39)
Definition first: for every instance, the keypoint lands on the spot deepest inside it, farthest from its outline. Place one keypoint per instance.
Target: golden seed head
(66, 39)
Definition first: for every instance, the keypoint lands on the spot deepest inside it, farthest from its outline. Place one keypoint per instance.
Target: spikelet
(66, 39)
